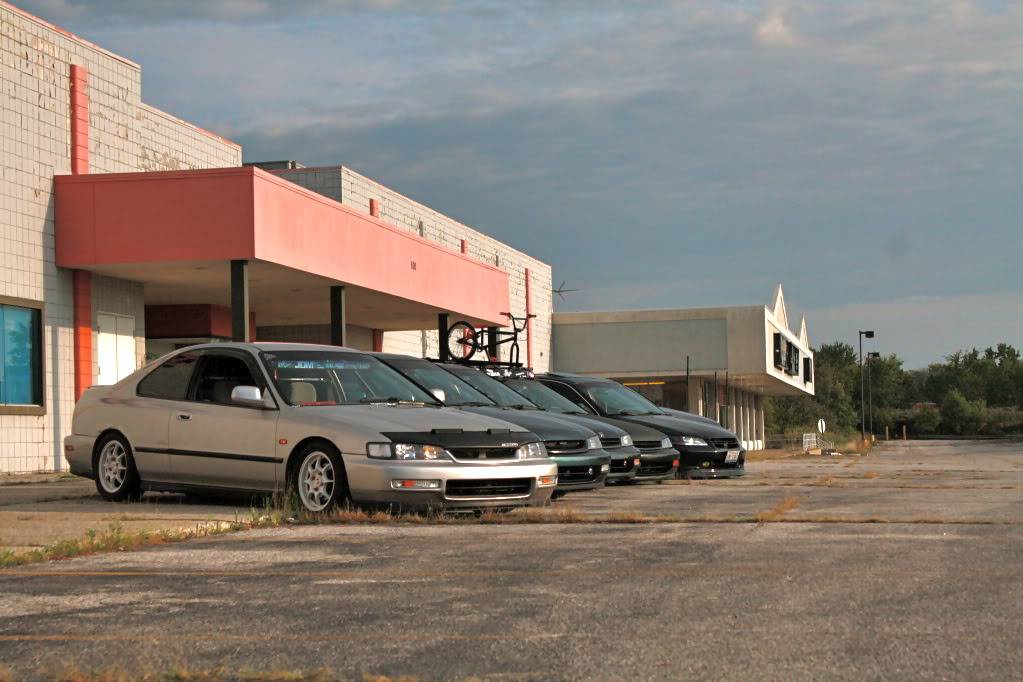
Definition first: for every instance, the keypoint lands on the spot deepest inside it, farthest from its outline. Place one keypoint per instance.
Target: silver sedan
(326, 423)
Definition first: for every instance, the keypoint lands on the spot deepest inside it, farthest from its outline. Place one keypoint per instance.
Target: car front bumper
(625, 462)
(709, 462)
(461, 485)
(584, 471)
(657, 465)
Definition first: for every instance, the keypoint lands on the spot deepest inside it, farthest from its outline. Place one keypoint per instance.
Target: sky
(866, 154)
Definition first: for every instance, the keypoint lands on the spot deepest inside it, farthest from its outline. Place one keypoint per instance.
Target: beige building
(717, 362)
(126, 232)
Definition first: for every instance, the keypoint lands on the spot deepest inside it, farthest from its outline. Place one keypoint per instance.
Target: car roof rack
(494, 368)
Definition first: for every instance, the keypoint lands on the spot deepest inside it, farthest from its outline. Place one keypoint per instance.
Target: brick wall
(35, 138)
(345, 185)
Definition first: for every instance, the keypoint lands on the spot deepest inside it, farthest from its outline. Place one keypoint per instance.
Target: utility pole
(863, 415)
(870, 393)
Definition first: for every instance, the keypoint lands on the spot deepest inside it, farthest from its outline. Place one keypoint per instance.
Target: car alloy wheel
(113, 467)
(316, 481)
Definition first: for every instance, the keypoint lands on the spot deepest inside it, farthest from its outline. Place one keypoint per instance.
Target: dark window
(569, 392)
(170, 380)
(20, 356)
(807, 370)
(218, 376)
(779, 357)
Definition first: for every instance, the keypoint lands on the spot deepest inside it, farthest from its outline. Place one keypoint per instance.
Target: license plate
(732, 457)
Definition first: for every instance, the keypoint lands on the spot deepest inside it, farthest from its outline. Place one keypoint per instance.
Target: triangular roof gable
(803, 338)
(779, 308)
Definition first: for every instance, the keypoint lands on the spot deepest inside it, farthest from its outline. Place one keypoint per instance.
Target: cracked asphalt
(902, 564)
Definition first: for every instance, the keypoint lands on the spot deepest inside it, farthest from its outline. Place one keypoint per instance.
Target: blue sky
(866, 154)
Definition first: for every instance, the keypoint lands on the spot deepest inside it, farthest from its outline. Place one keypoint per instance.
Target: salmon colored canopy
(117, 223)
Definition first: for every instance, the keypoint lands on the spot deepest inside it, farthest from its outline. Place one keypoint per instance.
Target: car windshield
(545, 398)
(613, 399)
(433, 378)
(314, 377)
(492, 388)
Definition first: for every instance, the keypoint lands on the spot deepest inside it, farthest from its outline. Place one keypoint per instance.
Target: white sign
(820, 426)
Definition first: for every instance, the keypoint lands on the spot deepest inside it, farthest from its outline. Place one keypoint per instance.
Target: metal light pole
(870, 393)
(863, 415)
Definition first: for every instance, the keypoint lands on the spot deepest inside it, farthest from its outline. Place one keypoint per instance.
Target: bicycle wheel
(463, 341)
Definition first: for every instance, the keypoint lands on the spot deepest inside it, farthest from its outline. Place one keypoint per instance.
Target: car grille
(483, 453)
(648, 444)
(654, 469)
(611, 442)
(729, 443)
(502, 487)
(621, 466)
(578, 474)
(558, 447)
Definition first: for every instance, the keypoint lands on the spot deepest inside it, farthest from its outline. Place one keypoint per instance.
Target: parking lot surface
(907, 563)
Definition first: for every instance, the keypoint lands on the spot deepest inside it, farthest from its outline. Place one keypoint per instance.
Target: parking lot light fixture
(864, 334)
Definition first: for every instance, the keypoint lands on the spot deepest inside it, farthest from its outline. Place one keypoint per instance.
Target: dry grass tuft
(826, 481)
(187, 675)
(871, 474)
(787, 504)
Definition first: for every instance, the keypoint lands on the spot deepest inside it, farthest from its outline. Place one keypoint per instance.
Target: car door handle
(184, 416)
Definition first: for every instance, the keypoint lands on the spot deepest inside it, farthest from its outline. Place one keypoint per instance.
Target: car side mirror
(439, 394)
(249, 396)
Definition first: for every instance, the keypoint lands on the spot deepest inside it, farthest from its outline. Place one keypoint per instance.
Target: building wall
(125, 135)
(345, 185)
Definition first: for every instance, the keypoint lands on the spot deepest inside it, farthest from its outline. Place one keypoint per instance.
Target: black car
(657, 457)
(705, 448)
(583, 464)
(617, 443)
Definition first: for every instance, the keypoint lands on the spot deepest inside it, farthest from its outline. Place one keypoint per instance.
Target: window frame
(250, 360)
(35, 409)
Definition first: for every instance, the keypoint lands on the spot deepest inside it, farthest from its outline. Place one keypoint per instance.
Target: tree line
(974, 392)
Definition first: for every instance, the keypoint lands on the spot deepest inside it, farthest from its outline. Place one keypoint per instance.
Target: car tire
(114, 471)
(318, 479)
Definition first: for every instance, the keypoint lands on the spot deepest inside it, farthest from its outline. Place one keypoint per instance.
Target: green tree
(961, 416)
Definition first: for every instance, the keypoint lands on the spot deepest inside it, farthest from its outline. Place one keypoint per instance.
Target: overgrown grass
(223, 674)
(787, 504)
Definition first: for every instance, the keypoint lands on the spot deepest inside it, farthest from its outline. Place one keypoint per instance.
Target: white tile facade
(35, 138)
(345, 185)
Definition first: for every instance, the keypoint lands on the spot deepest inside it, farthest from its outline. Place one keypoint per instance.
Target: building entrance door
(115, 347)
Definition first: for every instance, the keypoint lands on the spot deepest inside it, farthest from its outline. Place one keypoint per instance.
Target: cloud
(774, 30)
(657, 154)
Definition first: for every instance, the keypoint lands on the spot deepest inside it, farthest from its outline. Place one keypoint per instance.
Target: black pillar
(338, 334)
(442, 336)
(239, 300)
(492, 344)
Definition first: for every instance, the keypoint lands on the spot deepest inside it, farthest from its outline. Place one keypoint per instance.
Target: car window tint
(219, 375)
(568, 392)
(170, 380)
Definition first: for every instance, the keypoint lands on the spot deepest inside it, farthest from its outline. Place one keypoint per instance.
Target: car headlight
(626, 440)
(531, 450)
(665, 443)
(407, 451)
(593, 443)
(693, 441)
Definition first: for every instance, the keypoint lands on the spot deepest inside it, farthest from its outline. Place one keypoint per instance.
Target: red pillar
(79, 120)
(378, 341)
(81, 297)
(374, 208)
(465, 246)
(529, 324)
